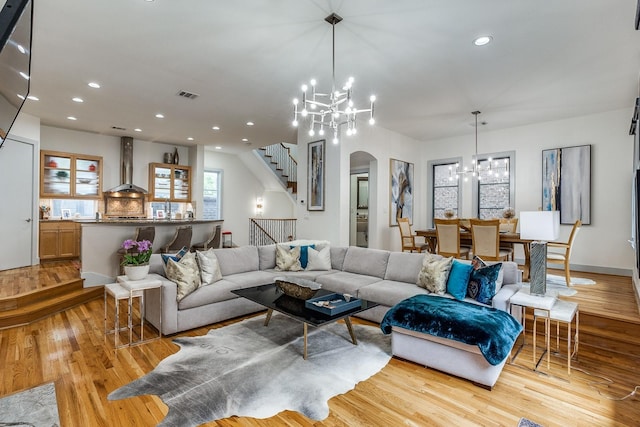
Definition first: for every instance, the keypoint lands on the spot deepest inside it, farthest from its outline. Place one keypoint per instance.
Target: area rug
(524, 422)
(249, 370)
(561, 281)
(36, 406)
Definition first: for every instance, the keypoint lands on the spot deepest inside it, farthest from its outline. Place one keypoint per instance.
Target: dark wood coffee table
(274, 299)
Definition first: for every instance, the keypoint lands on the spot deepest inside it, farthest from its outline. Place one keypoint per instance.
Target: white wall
(603, 243)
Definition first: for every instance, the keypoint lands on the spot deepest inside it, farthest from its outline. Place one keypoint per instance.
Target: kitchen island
(101, 239)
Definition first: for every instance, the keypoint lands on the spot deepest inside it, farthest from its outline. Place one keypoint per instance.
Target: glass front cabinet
(67, 175)
(167, 181)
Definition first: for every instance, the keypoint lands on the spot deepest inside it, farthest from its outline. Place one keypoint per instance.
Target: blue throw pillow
(459, 279)
(482, 284)
(304, 254)
(176, 257)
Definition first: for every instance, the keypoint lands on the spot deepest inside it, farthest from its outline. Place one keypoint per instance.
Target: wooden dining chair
(408, 238)
(562, 257)
(448, 237)
(485, 240)
(508, 225)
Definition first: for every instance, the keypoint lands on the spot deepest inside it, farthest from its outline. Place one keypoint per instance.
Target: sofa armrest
(501, 299)
(169, 306)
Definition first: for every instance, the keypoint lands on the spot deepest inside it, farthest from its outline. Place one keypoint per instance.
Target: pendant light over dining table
(333, 109)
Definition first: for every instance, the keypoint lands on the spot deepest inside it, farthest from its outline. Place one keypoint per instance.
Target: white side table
(137, 288)
(564, 312)
(119, 293)
(542, 303)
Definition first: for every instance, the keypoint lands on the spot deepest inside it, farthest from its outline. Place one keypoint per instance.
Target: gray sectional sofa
(377, 275)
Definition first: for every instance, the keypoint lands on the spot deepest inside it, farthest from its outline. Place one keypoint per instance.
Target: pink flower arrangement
(136, 253)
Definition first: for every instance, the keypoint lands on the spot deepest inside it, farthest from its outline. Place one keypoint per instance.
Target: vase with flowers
(449, 213)
(136, 258)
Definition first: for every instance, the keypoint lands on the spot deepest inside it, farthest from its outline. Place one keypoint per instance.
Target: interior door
(16, 210)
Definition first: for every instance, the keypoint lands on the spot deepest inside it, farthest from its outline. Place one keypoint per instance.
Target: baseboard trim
(590, 269)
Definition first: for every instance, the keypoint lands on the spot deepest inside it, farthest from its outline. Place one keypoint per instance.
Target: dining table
(431, 240)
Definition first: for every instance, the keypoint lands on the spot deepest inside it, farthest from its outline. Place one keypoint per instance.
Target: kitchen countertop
(129, 221)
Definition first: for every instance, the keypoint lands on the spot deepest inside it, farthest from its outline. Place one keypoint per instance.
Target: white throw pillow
(319, 260)
(288, 259)
(209, 267)
(434, 274)
(185, 274)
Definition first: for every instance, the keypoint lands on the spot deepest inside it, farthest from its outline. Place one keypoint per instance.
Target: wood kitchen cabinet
(59, 239)
(68, 175)
(167, 181)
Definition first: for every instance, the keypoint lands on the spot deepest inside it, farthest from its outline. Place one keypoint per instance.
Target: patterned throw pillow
(185, 274)
(288, 259)
(434, 273)
(482, 284)
(304, 254)
(209, 267)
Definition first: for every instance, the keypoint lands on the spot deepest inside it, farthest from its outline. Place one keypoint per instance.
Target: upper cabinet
(67, 175)
(167, 181)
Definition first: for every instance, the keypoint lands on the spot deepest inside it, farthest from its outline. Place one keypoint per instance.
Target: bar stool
(563, 312)
(119, 293)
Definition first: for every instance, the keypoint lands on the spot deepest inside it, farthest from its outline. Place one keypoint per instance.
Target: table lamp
(541, 227)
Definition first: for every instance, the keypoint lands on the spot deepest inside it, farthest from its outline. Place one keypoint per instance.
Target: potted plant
(136, 258)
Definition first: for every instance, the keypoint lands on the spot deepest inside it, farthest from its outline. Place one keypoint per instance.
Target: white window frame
(220, 173)
(511, 155)
(430, 184)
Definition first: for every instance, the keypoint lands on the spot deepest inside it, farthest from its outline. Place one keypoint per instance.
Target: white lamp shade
(540, 225)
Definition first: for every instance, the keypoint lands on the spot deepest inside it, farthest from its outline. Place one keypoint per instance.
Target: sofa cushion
(337, 257)
(370, 262)
(219, 291)
(288, 258)
(304, 274)
(404, 267)
(238, 260)
(389, 292)
(252, 278)
(319, 259)
(434, 273)
(345, 282)
(185, 273)
(267, 257)
(209, 267)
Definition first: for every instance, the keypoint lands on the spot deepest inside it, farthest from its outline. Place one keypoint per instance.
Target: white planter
(136, 272)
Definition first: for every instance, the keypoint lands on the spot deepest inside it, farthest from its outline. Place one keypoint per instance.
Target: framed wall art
(315, 175)
(566, 183)
(401, 189)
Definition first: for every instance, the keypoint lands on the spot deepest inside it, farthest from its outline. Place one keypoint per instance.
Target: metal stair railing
(267, 231)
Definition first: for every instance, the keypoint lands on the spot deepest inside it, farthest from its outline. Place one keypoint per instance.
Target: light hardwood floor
(69, 349)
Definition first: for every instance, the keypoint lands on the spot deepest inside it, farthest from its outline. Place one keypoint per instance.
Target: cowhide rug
(249, 370)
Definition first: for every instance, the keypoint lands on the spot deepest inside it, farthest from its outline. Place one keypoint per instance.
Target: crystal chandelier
(334, 109)
(493, 167)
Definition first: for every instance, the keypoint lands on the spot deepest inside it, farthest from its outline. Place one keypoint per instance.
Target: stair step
(26, 298)
(45, 305)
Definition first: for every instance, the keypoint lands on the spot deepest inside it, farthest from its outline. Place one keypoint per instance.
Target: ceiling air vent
(118, 128)
(188, 95)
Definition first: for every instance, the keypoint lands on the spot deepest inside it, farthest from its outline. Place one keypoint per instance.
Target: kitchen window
(212, 195)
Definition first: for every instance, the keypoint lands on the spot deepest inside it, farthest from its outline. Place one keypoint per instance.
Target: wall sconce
(259, 206)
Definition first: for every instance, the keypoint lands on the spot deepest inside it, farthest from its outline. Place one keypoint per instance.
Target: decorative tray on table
(333, 304)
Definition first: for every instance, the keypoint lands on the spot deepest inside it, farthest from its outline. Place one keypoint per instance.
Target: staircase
(279, 159)
(30, 306)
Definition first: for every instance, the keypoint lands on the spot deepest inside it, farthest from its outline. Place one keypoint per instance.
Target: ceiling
(247, 60)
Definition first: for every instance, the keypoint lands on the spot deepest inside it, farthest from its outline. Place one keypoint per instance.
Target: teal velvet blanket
(493, 331)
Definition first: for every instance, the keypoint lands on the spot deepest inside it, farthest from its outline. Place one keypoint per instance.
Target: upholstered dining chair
(508, 225)
(448, 237)
(485, 240)
(562, 256)
(408, 238)
(212, 242)
(181, 239)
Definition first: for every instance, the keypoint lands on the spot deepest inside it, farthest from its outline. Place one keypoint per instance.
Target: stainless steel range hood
(126, 168)
(126, 200)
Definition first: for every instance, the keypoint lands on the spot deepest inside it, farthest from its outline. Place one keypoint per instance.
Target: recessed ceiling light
(76, 99)
(482, 40)
(137, 130)
(33, 98)
(189, 139)
(160, 116)
(249, 123)
(245, 140)
(71, 118)
(20, 96)
(218, 147)
(94, 85)
(24, 75)
(21, 49)
(216, 128)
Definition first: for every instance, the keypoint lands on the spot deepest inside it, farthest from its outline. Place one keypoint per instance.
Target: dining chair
(508, 225)
(563, 257)
(408, 239)
(485, 240)
(448, 238)
(181, 239)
